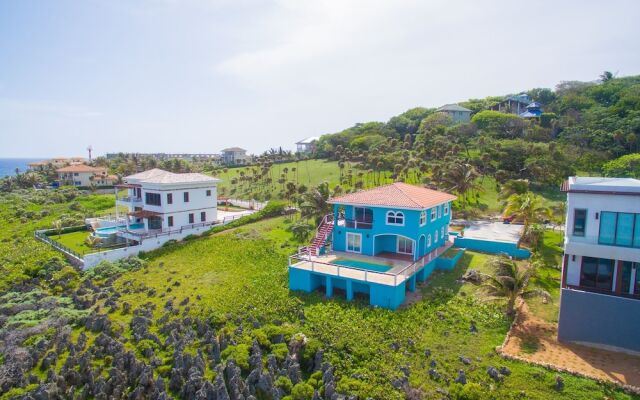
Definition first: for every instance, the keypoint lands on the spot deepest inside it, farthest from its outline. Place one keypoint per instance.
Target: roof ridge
(400, 188)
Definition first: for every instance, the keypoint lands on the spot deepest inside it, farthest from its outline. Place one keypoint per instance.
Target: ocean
(8, 165)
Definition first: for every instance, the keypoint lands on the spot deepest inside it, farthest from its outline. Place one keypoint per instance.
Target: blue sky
(198, 75)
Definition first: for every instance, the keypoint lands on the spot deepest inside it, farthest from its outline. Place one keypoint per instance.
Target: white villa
(307, 145)
(162, 201)
(600, 296)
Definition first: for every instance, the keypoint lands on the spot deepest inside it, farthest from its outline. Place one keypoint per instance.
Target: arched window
(395, 218)
(442, 231)
(429, 241)
(436, 237)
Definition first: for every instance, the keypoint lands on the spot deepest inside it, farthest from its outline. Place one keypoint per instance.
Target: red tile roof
(397, 194)
(82, 168)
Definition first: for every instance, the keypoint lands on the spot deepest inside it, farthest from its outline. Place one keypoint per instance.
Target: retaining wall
(492, 247)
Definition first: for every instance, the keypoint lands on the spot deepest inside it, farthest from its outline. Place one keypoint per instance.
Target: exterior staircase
(322, 235)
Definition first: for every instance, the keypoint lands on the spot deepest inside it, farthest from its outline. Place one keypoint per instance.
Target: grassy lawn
(241, 275)
(76, 241)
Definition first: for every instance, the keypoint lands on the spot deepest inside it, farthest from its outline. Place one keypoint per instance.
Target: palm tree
(527, 207)
(461, 177)
(315, 202)
(510, 282)
(513, 186)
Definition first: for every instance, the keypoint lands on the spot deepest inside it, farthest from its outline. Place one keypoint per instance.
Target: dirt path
(535, 340)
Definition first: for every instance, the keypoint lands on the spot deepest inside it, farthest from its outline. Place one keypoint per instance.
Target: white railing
(389, 278)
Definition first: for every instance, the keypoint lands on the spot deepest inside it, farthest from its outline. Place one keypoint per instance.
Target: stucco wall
(488, 246)
(91, 260)
(599, 319)
(382, 236)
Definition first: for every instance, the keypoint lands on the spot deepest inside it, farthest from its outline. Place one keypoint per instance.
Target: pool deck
(493, 231)
(402, 266)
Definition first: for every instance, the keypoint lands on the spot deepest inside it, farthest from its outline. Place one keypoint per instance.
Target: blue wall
(610, 320)
(488, 246)
(386, 296)
(382, 237)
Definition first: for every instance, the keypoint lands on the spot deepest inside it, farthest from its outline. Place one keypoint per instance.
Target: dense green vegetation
(216, 310)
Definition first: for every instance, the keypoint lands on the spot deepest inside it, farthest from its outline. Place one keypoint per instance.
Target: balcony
(590, 246)
(129, 200)
(355, 224)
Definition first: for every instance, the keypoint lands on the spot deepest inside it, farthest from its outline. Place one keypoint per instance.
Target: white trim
(446, 209)
(423, 213)
(428, 241)
(395, 215)
(413, 243)
(418, 245)
(434, 211)
(346, 247)
(442, 231)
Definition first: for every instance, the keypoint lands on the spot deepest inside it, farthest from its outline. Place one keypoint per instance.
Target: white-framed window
(354, 242)
(442, 231)
(405, 246)
(446, 209)
(433, 214)
(429, 241)
(395, 218)
(423, 217)
(436, 237)
(439, 211)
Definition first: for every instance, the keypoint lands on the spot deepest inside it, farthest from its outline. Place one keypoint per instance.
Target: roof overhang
(144, 214)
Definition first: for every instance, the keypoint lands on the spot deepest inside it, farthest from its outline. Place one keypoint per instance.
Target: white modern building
(600, 297)
(235, 156)
(307, 145)
(163, 201)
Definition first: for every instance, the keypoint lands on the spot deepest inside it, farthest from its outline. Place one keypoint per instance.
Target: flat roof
(598, 184)
(494, 231)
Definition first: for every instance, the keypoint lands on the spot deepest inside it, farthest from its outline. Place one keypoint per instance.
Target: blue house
(532, 111)
(377, 242)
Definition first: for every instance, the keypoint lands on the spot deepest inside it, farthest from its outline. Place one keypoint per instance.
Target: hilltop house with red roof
(378, 242)
(83, 175)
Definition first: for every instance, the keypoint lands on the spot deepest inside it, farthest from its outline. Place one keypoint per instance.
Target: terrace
(370, 269)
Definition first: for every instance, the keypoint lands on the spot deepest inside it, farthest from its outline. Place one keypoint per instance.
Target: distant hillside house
(532, 111)
(85, 175)
(457, 113)
(307, 145)
(235, 156)
(513, 104)
(57, 162)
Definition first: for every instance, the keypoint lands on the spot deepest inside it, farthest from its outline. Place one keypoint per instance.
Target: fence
(250, 204)
(75, 257)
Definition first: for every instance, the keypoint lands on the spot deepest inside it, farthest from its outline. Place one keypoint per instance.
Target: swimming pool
(103, 232)
(347, 262)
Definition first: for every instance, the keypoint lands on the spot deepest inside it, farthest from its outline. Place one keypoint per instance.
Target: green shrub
(302, 391)
(470, 391)
(239, 353)
(284, 383)
(280, 350)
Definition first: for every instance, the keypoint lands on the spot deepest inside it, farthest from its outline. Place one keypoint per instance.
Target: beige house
(85, 175)
(58, 162)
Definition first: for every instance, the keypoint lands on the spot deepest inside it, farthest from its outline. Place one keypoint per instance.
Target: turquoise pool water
(347, 262)
(113, 229)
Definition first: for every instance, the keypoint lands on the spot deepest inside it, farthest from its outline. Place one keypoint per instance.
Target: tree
(606, 76)
(315, 202)
(301, 231)
(625, 166)
(461, 178)
(510, 282)
(528, 208)
(513, 186)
